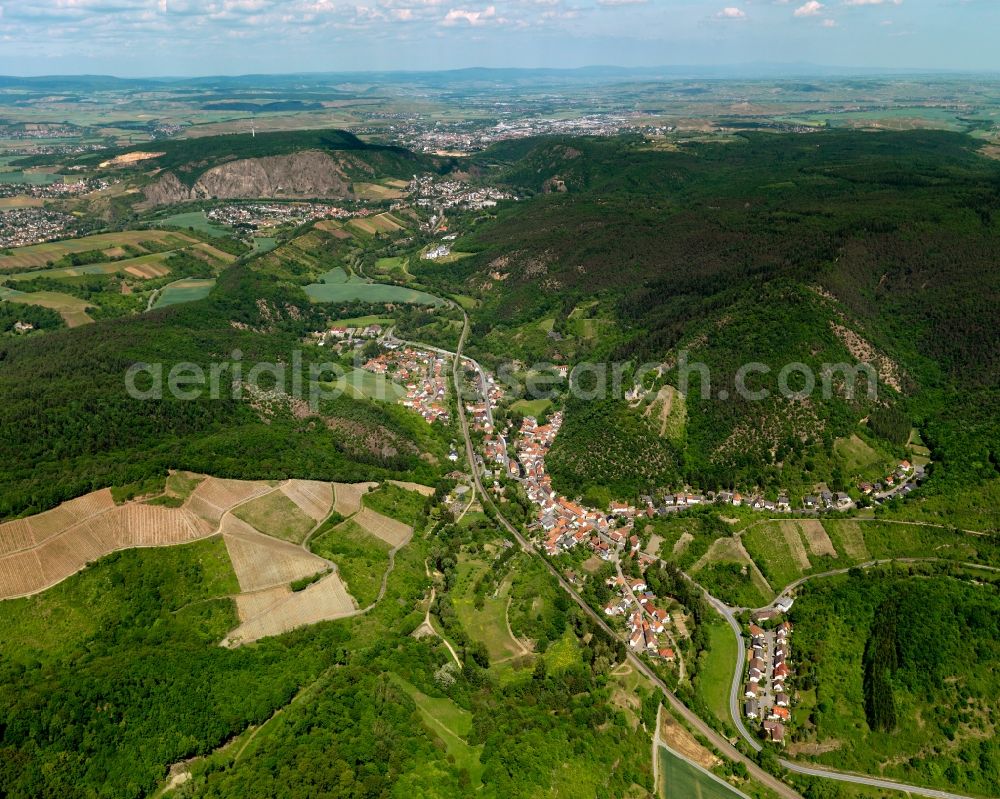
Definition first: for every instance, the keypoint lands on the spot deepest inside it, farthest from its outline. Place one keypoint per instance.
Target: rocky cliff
(308, 174)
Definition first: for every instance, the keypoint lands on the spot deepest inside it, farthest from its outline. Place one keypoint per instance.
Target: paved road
(869, 564)
(799, 768)
(717, 740)
(720, 743)
(861, 779)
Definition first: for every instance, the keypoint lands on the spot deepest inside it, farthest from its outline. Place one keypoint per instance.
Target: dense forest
(819, 248)
(898, 667)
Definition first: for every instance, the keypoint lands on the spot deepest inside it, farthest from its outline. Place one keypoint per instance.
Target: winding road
(721, 743)
(717, 740)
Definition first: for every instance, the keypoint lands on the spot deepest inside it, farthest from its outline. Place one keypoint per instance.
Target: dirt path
(428, 627)
(506, 620)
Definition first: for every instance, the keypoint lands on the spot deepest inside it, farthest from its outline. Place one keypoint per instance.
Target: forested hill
(68, 425)
(771, 248)
(190, 158)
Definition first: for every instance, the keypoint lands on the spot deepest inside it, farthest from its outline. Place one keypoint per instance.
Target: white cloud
(475, 18)
(612, 3)
(829, 23)
(731, 12)
(810, 9)
(873, 2)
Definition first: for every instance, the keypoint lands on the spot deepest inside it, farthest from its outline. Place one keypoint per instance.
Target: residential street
(717, 740)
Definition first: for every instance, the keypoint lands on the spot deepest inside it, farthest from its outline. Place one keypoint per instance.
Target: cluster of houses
(766, 697)
(433, 254)
(343, 333)
(21, 227)
(51, 190)
(481, 417)
(902, 480)
(424, 376)
(646, 623)
(565, 524)
(268, 214)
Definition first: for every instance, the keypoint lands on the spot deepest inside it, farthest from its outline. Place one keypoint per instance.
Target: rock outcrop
(308, 174)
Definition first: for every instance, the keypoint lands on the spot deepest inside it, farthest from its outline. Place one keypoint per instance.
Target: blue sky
(198, 37)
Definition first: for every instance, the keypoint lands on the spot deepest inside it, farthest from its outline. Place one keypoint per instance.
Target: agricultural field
(21, 201)
(347, 497)
(312, 497)
(324, 600)
(72, 309)
(361, 557)
(184, 290)
(262, 562)
(376, 191)
(681, 780)
(778, 549)
(275, 514)
(378, 224)
(41, 551)
(392, 532)
(40, 255)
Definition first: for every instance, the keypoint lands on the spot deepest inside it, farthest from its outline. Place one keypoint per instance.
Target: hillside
(316, 164)
(824, 248)
(307, 164)
(68, 425)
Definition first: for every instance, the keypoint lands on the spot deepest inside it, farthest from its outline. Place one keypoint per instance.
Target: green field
(263, 244)
(74, 612)
(715, 669)
(337, 286)
(452, 725)
(859, 459)
(361, 558)
(534, 408)
(562, 654)
(364, 321)
(681, 780)
(767, 546)
(198, 221)
(32, 178)
(184, 290)
(397, 503)
(487, 624)
(361, 384)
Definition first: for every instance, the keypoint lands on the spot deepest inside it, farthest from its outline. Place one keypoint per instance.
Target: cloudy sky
(198, 37)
